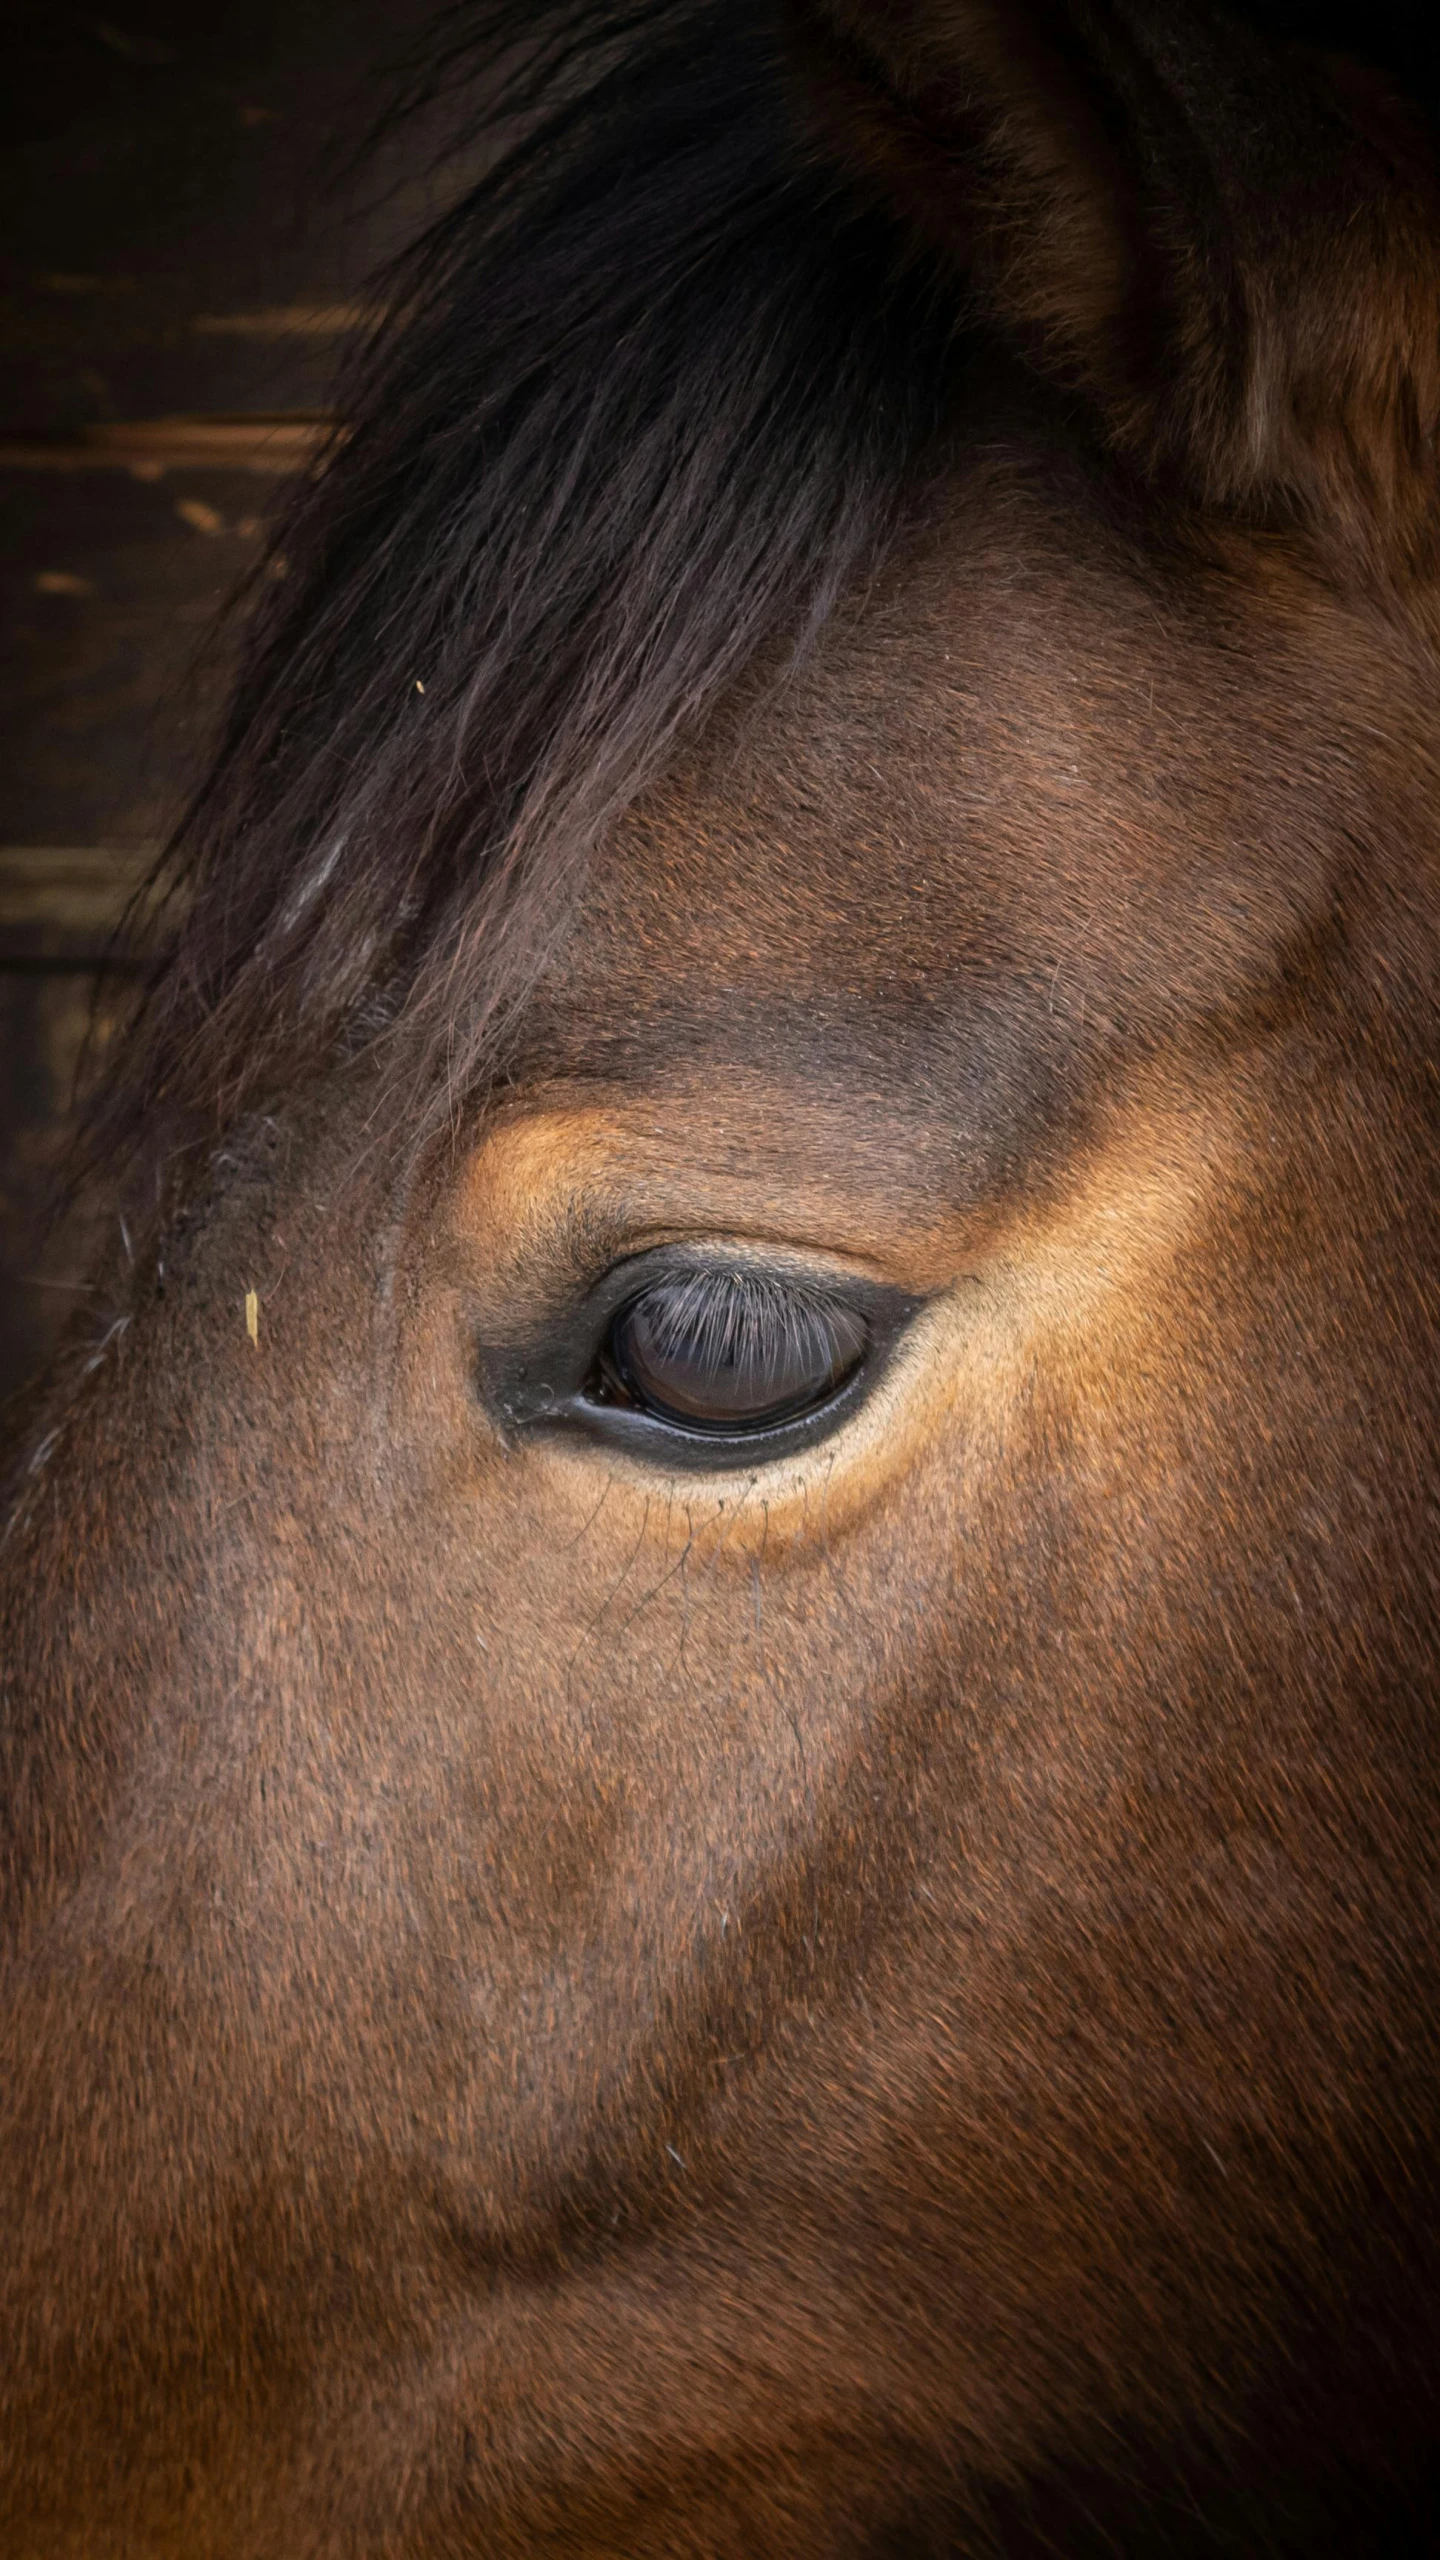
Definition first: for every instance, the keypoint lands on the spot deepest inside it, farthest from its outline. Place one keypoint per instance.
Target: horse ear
(1231, 246)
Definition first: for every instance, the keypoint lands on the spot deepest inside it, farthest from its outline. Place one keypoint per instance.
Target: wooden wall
(180, 273)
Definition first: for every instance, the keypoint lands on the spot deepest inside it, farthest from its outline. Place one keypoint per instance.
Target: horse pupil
(730, 1352)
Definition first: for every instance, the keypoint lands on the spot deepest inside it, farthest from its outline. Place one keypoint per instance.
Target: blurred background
(180, 268)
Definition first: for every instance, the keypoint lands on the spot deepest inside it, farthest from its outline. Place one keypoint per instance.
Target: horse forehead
(1007, 744)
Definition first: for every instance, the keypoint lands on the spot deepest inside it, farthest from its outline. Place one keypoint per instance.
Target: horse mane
(645, 400)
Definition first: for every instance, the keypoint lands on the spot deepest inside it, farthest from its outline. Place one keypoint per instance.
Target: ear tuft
(1229, 245)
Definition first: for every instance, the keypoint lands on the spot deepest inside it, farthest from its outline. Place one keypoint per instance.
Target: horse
(720, 1782)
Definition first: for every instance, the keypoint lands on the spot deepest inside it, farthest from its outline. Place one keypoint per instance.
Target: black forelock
(646, 397)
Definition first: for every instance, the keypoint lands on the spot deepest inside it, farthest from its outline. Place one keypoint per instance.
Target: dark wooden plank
(109, 594)
(68, 907)
(168, 173)
(177, 281)
(149, 448)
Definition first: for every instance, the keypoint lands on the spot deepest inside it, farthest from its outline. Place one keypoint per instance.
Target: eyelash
(738, 1320)
(745, 1302)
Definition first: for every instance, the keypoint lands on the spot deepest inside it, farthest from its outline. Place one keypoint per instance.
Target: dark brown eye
(732, 1351)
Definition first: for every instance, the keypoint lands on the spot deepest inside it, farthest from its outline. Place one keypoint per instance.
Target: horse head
(719, 1808)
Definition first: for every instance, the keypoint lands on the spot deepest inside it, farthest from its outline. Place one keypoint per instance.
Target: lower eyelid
(654, 1437)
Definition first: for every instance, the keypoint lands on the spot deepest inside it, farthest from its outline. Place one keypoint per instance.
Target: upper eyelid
(628, 1274)
(608, 1247)
(748, 1292)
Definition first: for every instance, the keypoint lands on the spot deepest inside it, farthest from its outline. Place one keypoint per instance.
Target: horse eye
(731, 1351)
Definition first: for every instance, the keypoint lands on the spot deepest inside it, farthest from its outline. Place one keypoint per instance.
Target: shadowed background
(179, 273)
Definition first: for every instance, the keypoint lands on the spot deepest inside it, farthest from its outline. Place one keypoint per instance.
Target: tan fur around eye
(1075, 1291)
